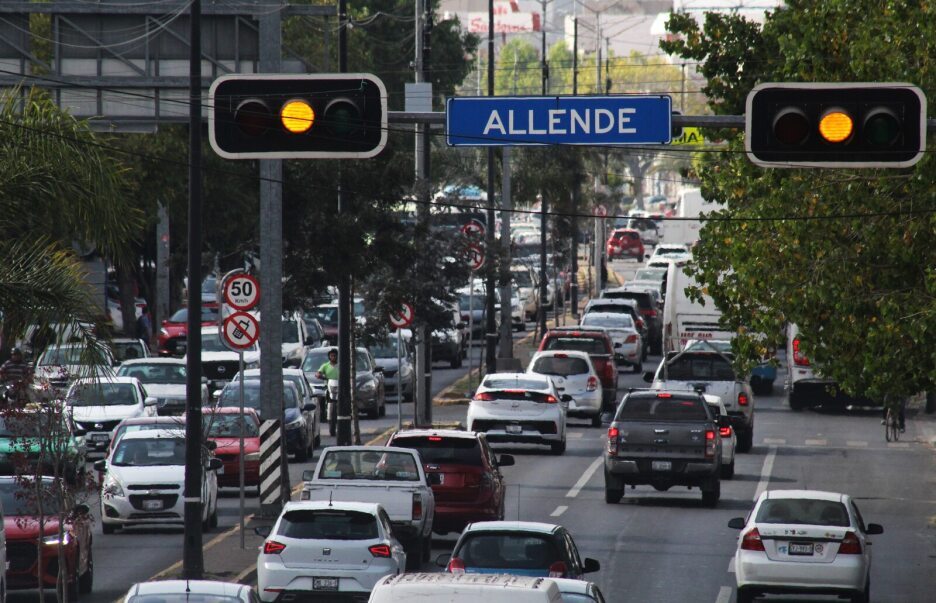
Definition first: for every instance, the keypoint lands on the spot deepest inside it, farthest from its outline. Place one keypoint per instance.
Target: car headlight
(53, 540)
(368, 387)
(294, 424)
(112, 488)
(164, 332)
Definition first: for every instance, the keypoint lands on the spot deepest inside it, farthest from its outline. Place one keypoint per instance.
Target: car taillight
(850, 545)
(557, 569)
(417, 506)
(799, 358)
(483, 397)
(271, 547)
(649, 313)
(752, 541)
(742, 399)
(613, 435)
(455, 566)
(724, 432)
(380, 550)
(550, 399)
(592, 384)
(639, 323)
(709, 444)
(631, 339)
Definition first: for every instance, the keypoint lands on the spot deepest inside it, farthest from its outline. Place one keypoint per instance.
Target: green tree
(846, 255)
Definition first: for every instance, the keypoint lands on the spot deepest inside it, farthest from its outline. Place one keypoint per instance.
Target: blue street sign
(576, 120)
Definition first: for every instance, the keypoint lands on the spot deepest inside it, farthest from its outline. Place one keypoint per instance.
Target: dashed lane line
(765, 472)
(559, 511)
(817, 442)
(731, 566)
(724, 594)
(775, 441)
(856, 444)
(574, 491)
(898, 445)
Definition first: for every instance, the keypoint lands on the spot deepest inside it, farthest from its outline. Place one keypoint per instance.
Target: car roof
(804, 494)
(605, 315)
(168, 420)
(512, 526)
(610, 301)
(338, 505)
(578, 331)
(567, 353)
(444, 433)
(516, 376)
(200, 587)
(154, 434)
(474, 583)
(226, 410)
(154, 360)
(107, 379)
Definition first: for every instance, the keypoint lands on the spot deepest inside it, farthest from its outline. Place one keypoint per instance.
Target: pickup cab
(664, 439)
(710, 372)
(393, 477)
(599, 348)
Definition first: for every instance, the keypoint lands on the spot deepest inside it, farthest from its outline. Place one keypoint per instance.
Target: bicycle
(891, 425)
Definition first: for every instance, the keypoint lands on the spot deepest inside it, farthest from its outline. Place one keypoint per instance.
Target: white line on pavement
(731, 566)
(816, 442)
(724, 595)
(575, 435)
(559, 511)
(856, 443)
(780, 441)
(898, 445)
(585, 477)
(765, 472)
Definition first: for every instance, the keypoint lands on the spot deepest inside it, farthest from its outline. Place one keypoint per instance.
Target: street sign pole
(400, 321)
(399, 378)
(471, 284)
(240, 462)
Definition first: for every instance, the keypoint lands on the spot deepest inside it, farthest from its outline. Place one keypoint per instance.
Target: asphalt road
(662, 546)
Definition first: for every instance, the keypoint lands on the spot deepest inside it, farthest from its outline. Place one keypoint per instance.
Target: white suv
(97, 406)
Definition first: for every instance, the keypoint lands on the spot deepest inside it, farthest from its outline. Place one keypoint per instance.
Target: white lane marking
(724, 594)
(898, 445)
(775, 441)
(576, 435)
(765, 472)
(856, 443)
(816, 442)
(585, 477)
(559, 511)
(731, 566)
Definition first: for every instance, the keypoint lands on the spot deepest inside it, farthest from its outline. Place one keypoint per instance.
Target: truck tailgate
(662, 440)
(396, 500)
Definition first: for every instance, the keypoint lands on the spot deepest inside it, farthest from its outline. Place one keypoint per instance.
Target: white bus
(685, 319)
(691, 204)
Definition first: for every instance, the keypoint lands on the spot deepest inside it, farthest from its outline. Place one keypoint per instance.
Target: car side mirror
(591, 565)
(81, 509)
(100, 465)
(648, 377)
(434, 479)
(505, 460)
(566, 398)
(310, 407)
(378, 370)
(874, 528)
(309, 340)
(308, 475)
(736, 523)
(723, 421)
(443, 560)
(150, 401)
(618, 344)
(214, 464)
(263, 531)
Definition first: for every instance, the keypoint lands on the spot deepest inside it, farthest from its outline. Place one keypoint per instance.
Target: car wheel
(383, 410)
(711, 493)
(746, 439)
(644, 352)
(930, 406)
(596, 420)
(557, 448)
(796, 402)
(612, 497)
(302, 454)
(86, 580)
(213, 518)
(745, 596)
(638, 368)
(108, 528)
(865, 595)
(414, 554)
(427, 549)
(727, 471)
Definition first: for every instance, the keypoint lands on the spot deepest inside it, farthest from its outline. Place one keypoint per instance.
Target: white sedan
(186, 591)
(804, 542)
(574, 374)
(521, 408)
(327, 549)
(729, 440)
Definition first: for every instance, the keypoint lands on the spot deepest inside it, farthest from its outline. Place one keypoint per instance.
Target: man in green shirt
(329, 370)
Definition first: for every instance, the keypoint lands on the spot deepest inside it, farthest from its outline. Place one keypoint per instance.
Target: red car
(598, 346)
(170, 341)
(31, 565)
(625, 242)
(470, 487)
(223, 426)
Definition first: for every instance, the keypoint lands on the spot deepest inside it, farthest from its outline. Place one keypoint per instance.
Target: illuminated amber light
(297, 116)
(836, 126)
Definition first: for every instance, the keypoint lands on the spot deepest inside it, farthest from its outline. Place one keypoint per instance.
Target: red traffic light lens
(791, 126)
(253, 117)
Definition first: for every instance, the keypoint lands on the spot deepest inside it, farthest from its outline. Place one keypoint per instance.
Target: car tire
(865, 595)
(930, 406)
(612, 497)
(746, 439)
(644, 352)
(522, 326)
(72, 587)
(796, 402)
(745, 596)
(427, 548)
(86, 580)
(456, 361)
(414, 554)
(727, 471)
(108, 528)
(596, 420)
(638, 368)
(557, 448)
(302, 455)
(711, 494)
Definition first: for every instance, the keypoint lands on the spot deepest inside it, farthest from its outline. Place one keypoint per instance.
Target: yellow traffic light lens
(297, 116)
(836, 126)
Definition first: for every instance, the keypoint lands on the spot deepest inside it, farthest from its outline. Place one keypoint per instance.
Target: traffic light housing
(845, 125)
(319, 116)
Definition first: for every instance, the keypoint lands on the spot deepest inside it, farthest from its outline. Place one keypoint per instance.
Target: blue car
(520, 548)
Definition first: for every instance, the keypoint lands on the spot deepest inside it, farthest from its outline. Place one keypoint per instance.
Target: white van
(465, 588)
(691, 204)
(684, 319)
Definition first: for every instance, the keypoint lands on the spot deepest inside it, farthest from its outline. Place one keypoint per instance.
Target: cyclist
(329, 369)
(898, 403)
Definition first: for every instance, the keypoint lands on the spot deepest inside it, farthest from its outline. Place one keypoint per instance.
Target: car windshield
(296, 380)
(207, 315)
(589, 345)
(369, 465)
(701, 367)
(71, 355)
(103, 394)
(661, 409)
(508, 551)
(475, 302)
(719, 345)
(609, 308)
(154, 373)
(670, 251)
(127, 350)
(514, 383)
(650, 274)
(210, 286)
(618, 321)
(230, 395)
(362, 361)
(314, 359)
(327, 315)
(228, 425)
(561, 366)
(328, 524)
(387, 349)
(290, 332)
(176, 423)
(211, 342)
(803, 511)
(522, 278)
(439, 450)
(149, 452)
(21, 499)
(359, 309)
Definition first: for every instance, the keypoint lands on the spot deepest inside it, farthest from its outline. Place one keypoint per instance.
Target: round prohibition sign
(240, 331)
(242, 292)
(403, 318)
(474, 256)
(474, 229)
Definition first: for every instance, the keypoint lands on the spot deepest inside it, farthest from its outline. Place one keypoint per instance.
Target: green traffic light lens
(343, 117)
(253, 117)
(882, 127)
(791, 126)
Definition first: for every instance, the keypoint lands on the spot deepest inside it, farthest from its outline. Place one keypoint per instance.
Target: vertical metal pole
(607, 65)
(541, 313)
(682, 90)
(573, 288)
(506, 327)
(192, 559)
(399, 378)
(575, 55)
(240, 461)
(162, 268)
(471, 284)
(490, 336)
(598, 53)
(544, 66)
(344, 281)
(597, 256)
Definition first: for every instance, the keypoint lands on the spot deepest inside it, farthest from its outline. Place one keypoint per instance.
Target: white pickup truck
(393, 477)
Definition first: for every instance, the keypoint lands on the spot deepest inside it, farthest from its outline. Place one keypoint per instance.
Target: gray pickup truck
(664, 439)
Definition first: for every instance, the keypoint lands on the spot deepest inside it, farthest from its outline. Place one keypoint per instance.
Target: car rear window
(374, 464)
(589, 345)
(328, 525)
(611, 308)
(710, 367)
(515, 383)
(563, 366)
(440, 450)
(645, 408)
(516, 550)
(643, 299)
(803, 511)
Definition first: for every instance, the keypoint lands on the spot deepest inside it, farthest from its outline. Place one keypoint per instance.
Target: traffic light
(848, 125)
(335, 115)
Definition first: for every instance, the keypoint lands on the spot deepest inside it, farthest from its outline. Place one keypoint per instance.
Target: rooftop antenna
(330, 494)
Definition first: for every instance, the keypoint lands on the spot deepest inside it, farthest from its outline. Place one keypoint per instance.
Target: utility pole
(607, 66)
(544, 65)
(575, 56)
(344, 281)
(541, 310)
(490, 332)
(598, 53)
(192, 558)
(506, 326)
(573, 288)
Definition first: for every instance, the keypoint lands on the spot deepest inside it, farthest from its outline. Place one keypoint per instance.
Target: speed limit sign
(241, 292)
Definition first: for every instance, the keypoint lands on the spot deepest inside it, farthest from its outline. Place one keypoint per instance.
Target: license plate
(514, 428)
(324, 583)
(661, 465)
(801, 549)
(152, 505)
(99, 437)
